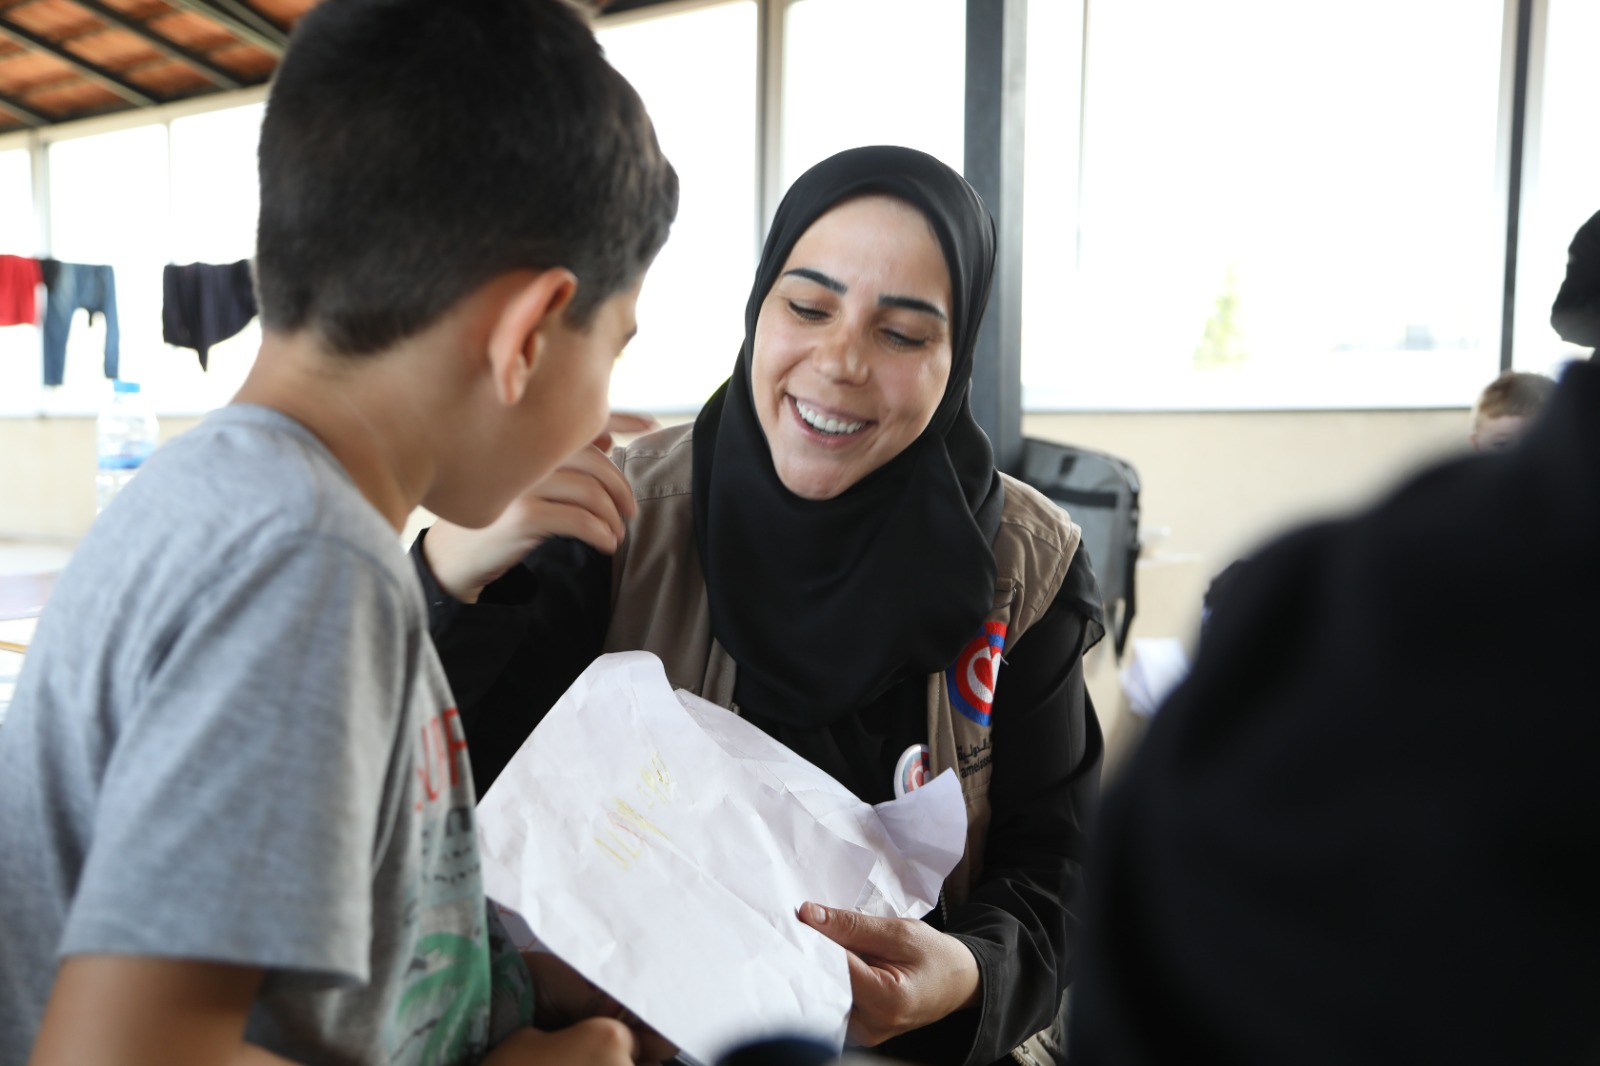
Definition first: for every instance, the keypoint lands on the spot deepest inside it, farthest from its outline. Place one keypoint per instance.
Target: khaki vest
(659, 605)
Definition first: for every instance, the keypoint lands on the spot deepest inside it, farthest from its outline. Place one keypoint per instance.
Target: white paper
(1158, 666)
(661, 846)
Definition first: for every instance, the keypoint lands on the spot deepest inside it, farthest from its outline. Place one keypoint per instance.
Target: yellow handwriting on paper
(629, 829)
(655, 784)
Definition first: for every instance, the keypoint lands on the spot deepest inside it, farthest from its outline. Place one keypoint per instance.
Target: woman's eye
(809, 314)
(900, 340)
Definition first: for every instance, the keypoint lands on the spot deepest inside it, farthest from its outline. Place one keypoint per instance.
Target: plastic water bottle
(127, 433)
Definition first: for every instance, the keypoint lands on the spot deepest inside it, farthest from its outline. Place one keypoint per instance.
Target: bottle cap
(124, 387)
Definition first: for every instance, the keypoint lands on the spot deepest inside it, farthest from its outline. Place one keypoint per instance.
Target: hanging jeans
(69, 286)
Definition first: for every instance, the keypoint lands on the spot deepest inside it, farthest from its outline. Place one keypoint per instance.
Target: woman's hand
(904, 974)
(585, 497)
(562, 997)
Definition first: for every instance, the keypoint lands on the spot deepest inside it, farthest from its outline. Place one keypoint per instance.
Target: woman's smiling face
(852, 345)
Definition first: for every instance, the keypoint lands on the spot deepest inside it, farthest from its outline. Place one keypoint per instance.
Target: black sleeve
(1021, 921)
(512, 654)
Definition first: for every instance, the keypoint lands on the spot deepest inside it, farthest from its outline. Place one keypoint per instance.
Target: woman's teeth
(822, 423)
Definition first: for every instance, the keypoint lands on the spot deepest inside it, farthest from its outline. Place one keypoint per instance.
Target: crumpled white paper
(661, 846)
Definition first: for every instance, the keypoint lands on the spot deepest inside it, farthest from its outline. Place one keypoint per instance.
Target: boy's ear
(520, 334)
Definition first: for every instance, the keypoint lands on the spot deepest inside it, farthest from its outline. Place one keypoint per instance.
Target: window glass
(861, 72)
(216, 197)
(184, 192)
(691, 312)
(1561, 177)
(109, 206)
(1050, 189)
(19, 345)
(18, 229)
(1282, 205)
(215, 192)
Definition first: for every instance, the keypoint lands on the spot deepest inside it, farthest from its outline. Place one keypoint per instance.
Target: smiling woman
(829, 551)
(852, 355)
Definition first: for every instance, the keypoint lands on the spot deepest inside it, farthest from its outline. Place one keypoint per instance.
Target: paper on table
(661, 845)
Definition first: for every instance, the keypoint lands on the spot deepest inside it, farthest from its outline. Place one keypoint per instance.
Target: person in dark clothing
(1576, 312)
(1363, 830)
(830, 550)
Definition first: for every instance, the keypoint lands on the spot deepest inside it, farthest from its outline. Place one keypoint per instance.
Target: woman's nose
(842, 359)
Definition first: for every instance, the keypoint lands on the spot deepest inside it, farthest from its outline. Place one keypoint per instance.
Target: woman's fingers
(586, 497)
(623, 422)
(592, 466)
(904, 974)
(600, 532)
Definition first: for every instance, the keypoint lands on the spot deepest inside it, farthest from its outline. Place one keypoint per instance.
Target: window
(19, 345)
(184, 191)
(18, 232)
(122, 223)
(215, 191)
(859, 72)
(216, 197)
(691, 312)
(1561, 177)
(1282, 205)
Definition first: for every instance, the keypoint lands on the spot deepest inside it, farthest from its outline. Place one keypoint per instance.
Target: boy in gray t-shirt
(235, 806)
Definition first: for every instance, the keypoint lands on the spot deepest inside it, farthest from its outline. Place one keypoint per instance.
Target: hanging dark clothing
(205, 303)
(1364, 828)
(19, 283)
(68, 287)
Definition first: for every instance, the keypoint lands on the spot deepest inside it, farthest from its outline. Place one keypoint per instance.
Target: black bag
(1101, 494)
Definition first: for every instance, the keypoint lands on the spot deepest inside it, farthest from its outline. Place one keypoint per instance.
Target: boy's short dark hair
(1513, 393)
(414, 149)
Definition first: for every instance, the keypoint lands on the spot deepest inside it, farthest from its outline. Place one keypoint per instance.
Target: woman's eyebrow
(911, 303)
(820, 278)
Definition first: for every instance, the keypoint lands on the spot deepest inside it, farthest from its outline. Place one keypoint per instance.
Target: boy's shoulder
(245, 480)
(243, 507)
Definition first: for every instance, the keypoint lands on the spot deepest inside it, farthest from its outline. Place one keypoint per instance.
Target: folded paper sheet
(661, 846)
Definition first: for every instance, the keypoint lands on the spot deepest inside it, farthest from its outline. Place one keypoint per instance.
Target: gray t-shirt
(232, 741)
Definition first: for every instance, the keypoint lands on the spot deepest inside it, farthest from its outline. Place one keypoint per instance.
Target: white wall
(1219, 483)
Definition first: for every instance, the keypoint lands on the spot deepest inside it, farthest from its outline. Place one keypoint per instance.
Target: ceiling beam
(210, 71)
(241, 20)
(16, 107)
(91, 71)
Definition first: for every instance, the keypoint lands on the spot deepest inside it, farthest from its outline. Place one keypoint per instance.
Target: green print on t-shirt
(455, 995)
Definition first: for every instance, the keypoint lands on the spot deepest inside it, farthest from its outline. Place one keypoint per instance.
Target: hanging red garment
(19, 281)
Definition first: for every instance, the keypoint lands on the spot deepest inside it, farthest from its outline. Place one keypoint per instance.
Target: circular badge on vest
(911, 771)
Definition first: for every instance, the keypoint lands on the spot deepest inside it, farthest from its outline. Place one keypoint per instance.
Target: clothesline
(202, 304)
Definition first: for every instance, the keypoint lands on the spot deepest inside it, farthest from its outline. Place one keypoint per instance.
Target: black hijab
(826, 604)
